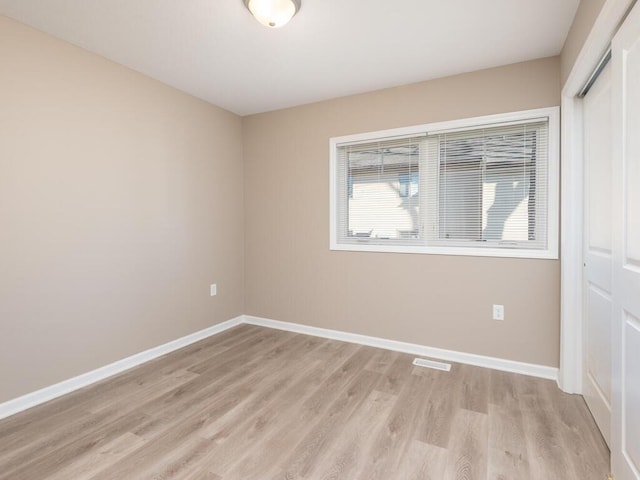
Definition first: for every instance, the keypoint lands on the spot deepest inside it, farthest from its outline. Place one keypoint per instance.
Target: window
(483, 186)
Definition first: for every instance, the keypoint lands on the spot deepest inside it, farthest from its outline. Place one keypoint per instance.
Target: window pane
(461, 200)
(384, 182)
(488, 183)
(505, 210)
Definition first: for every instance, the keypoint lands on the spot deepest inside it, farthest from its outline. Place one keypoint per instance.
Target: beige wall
(585, 17)
(441, 301)
(120, 202)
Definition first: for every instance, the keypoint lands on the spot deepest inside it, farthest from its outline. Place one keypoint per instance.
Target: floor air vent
(421, 362)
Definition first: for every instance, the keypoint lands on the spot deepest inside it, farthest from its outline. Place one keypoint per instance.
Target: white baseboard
(38, 397)
(67, 386)
(530, 369)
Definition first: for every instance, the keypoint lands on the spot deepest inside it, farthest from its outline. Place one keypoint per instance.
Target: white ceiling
(215, 50)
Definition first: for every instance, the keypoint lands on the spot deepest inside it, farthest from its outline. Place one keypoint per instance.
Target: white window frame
(552, 114)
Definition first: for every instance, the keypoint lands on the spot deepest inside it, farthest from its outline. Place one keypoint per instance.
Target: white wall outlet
(214, 290)
(498, 312)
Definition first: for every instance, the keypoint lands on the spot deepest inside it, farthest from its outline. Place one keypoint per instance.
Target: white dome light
(273, 13)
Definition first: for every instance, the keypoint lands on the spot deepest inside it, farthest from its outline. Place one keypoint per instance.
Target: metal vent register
(421, 362)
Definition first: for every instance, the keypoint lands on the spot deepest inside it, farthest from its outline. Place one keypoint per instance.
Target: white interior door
(625, 433)
(598, 260)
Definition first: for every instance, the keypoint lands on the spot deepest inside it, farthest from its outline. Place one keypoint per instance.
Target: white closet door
(625, 433)
(598, 252)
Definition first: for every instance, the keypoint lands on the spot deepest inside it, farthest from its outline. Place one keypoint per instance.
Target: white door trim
(571, 205)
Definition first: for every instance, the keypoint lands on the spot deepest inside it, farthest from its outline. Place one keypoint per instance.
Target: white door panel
(597, 252)
(599, 266)
(597, 133)
(599, 344)
(632, 390)
(632, 154)
(625, 402)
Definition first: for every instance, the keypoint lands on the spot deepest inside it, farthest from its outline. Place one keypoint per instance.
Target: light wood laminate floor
(254, 403)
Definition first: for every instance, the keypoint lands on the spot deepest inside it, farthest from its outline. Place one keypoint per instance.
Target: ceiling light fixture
(273, 13)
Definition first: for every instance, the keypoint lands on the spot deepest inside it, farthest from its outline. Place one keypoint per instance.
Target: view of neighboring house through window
(480, 189)
(408, 184)
(384, 201)
(488, 184)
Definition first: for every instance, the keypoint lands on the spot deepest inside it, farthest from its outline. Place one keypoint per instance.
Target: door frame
(572, 193)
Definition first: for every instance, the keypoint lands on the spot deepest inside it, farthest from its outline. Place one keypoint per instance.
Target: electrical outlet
(498, 312)
(214, 290)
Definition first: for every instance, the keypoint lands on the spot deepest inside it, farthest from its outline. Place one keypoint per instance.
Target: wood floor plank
(585, 447)
(21, 428)
(193, 392)
(216, 402)
(95, 460)
(47, 465)
(396, 433)
(467, 452)
(381, 361)
(439, 410)
(191, 457)
(424, 462)
(350, 451)
(545, 447)
(502, 389)
(166, 406)
(260, 404)
(475, 388)
(508, 457)
(397, 373)
(56, 408)
(286, 418)
(320, 436)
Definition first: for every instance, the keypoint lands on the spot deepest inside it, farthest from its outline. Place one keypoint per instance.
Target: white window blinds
(379, 190)
(477, 189)
(489, 187)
